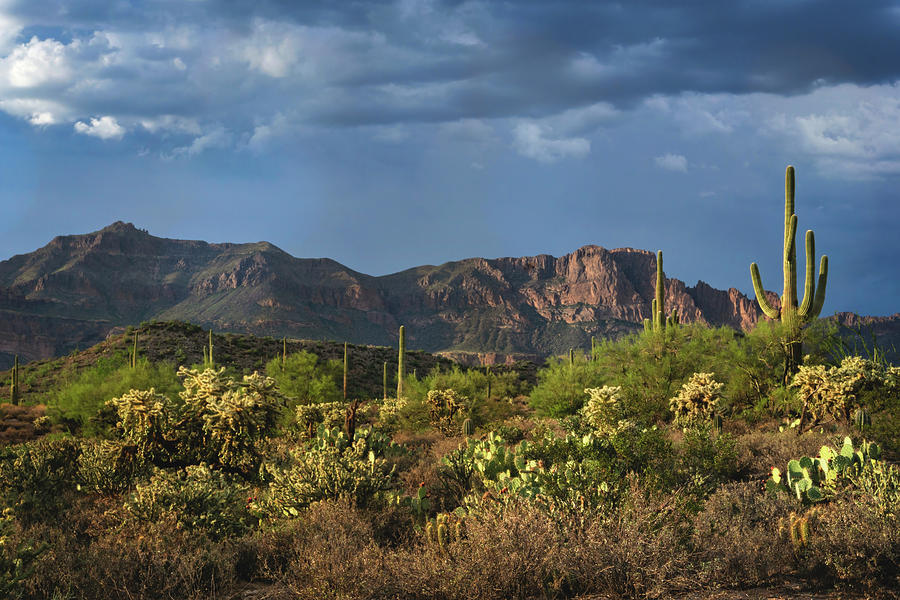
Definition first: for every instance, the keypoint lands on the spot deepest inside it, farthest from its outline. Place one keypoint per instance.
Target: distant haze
(386, 135)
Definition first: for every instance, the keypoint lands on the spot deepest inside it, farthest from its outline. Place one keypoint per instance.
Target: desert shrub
(640, 550)
(706, 459)
(561, 384)
(217, 420)
(738, 537)
(759, 451)
(36, 476)
(648, 367)
(16, 558)
(329, 552)
(195, 497)
(517, 552)
(697, 402)
(855, 541)
(80, 399)
(512, 430)
(304, 380)
(108, 467)
(331, 467)
(140, 561)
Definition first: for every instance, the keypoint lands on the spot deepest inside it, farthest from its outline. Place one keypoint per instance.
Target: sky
(387, 135)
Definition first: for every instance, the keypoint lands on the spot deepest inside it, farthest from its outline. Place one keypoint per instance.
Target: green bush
(304, 380)
(561, 384)
(83, 397)
(36, 476)
(648, 367)
(16, 559)
(195, 497)
(108, 466)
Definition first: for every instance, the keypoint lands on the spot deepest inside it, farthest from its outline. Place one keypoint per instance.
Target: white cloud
(105, 128)
(850, 131)
(218, 137)
(37, 62)
(672, 162)
(42, 119)
(531, 140)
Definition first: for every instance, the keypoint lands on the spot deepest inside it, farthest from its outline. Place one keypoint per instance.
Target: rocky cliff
(77, 288)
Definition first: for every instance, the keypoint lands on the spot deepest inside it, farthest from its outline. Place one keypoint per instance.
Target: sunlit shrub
(217, 420)
(331, 467)
(195, 497)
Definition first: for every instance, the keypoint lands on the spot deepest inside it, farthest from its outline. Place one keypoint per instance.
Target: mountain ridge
(76, 289)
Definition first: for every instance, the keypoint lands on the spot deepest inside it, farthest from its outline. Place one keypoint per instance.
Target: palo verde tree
(793, 315)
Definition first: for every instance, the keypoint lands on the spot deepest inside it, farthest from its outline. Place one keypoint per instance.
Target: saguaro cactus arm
(768, 309)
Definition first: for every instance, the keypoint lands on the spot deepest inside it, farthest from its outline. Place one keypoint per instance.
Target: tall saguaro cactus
(658, 320)
(400, 362)
(345, 371)
(794, 315)
(14, 383)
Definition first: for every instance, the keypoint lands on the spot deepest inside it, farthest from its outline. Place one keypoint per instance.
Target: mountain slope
(78, 288)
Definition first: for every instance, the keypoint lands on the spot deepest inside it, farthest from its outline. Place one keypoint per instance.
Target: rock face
(74, 290)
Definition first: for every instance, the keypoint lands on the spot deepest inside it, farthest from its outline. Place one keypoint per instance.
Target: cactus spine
(793, 315)
(14, 383)
(400, 362)
(345, 371)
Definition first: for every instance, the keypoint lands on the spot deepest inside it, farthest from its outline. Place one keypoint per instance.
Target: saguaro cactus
(345, 371)
(658, 321)
(14, 383)
(793, 315)
(134, 352)
(400, 362)
(384, 381)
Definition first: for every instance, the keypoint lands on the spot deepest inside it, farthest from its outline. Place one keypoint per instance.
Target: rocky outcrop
(72, 291)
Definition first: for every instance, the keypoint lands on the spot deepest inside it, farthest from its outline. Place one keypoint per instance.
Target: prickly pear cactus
(814, 479)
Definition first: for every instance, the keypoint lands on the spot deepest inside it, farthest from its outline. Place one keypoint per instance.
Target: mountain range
(78, 289)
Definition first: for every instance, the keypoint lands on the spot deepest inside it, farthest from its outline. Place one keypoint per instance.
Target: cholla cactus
(144, 417)
(698, 400)
(329, 414)
(603, 410)
(332, 468)
(834, 392)
(444, 406)
(219, 420)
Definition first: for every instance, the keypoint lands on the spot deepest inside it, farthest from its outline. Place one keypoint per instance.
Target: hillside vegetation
(661, 464)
